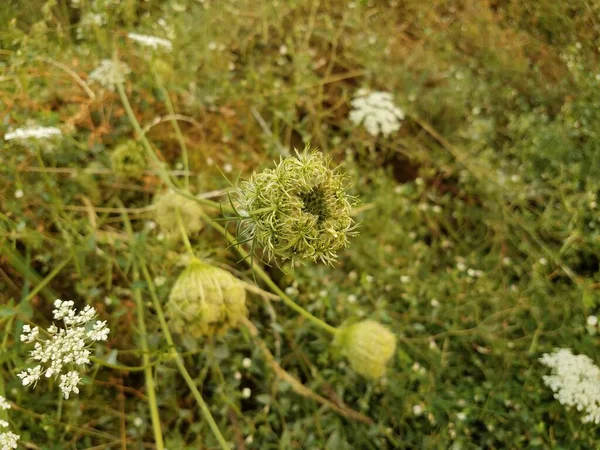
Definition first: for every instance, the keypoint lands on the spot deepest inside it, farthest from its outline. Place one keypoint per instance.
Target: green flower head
(368, 345)
(128, 160)
(206, 300)
(298, 210)
(168, 206)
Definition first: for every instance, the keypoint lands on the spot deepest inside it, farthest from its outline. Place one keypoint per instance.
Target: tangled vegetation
(205, 314)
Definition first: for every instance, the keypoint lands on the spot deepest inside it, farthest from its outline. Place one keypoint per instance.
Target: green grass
(479, 242)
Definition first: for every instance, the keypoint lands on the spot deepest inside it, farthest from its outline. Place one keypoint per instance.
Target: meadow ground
(479, 232)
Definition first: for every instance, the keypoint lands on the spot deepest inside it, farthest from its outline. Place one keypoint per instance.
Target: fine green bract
(298, 210)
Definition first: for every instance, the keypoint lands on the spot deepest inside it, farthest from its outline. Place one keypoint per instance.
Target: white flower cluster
(109, 73)
(8, 440)
(67, 348)
(376, 111)
(35, 133)
(151, 41)
(575, 381)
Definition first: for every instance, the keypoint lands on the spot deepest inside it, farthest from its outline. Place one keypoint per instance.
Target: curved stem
(267, 279)
(184, 236)
(184, 150)
(179, 360)
(162, 172)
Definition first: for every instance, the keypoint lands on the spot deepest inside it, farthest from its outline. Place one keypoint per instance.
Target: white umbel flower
(109, 73)
(34, 133)
(69, 382)
(575, 381)
(377, 112)
(151, 41)
(3, 424)
(8, 441)
(67, 348)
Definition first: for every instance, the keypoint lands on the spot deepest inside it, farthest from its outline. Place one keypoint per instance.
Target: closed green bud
(206, 300)
(163, 69)
(169, 205)
(128, 160)
(368, 345)
(298, 210)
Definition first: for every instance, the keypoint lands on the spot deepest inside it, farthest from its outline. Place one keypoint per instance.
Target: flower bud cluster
(167, 208)
(298, 210)
(206, 300)
(368, 345)
(128, 160)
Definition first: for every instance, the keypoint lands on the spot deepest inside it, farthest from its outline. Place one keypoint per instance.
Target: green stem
(184, 150)
(47, 280)
(149, 376)
(184, 235)
(265, 277)
(179, 360)
(123, 367)
(163, 173)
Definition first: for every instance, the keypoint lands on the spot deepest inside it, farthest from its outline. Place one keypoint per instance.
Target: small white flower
(592, 321)
(404, 279)
(249, 439)
(246, 363)
(8, 441)
(461, 416)
(159, 281)
(109, 73)
(99, 332)
(237, 376)
(19, 193)
(574, 381)
(69, 382)
(352, 298)
(227, 167)
(376, 111)
(151, 41)
(138, 422)
(435, 303)
(283, 50)
(30, 376)
(34, 133)
(246, 392)
(3, 424)
(543, 261)
(4, 403)
(417, 410)
(29, 334)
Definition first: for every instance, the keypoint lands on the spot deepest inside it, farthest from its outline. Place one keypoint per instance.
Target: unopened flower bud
(206, 300)
(128, 160)
(368, 345)
(169, 206)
